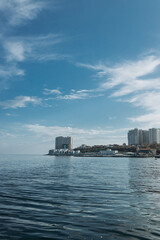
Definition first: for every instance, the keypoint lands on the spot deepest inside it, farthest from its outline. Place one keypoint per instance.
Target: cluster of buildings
(64, 146)
(140, 143)
(144, 137)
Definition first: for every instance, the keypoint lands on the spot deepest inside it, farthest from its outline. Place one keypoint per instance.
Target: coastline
(113, 156)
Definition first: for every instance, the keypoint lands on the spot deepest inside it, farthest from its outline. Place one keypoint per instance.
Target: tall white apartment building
(143, 137)
(154, 135)
(64, 143)
(133, 137)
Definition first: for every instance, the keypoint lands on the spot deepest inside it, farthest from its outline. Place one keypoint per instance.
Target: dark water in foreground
(44, 197)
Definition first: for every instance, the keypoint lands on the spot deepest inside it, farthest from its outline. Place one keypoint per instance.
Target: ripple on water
(79, 198)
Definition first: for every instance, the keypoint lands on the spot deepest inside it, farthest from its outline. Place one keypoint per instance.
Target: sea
(48, 197)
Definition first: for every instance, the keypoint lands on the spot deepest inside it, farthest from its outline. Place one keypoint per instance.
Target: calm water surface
(46, 197)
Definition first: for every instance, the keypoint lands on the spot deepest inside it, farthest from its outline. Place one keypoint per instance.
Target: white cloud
(138, 85)
(111, 117)
(15, 51)
(38, 138)
(73, 94)
(20, 102)
(19, 11)
(81, 94)
(80, 135)
(149, 101)
(132, 79)
(57, 130)
(126, 73)
(4, 133)
(7, 73)
(39, 48)
(51, 91)
(10, 71)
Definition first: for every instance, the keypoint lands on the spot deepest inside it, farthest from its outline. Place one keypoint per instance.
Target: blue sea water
(47, 197)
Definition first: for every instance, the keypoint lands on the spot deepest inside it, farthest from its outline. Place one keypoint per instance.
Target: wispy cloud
(135, 82)
(149, 101)
(126, 73)
(6, 134)
(80, 135)
(39, 138)
(20, 102)
(8, 72)
(19, 11)
(72, 95)
(39, 48)
(80, 94)
(51, 91)
(17, 49)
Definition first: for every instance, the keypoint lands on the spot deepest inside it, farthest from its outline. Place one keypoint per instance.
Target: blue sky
(88, 69)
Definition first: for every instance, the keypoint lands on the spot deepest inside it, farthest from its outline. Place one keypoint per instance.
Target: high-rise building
(145, 134)
(154, 135)
(140, 141)
(143, 137)
(64, 143)
(138, 137)
(133, 137)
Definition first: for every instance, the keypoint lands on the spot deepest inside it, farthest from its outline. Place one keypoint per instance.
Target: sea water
(47, 197)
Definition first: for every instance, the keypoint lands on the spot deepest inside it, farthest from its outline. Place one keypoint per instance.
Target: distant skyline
(88, 69)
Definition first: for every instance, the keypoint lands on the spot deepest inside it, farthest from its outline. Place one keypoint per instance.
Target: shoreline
(125, 156)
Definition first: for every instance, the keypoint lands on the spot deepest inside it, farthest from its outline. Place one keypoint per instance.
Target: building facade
(133, 137)
(154, 135)
(64, 143)
(143, 137)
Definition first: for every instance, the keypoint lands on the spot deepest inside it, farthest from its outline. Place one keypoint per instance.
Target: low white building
(108, 152)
